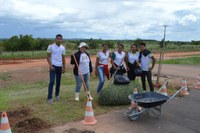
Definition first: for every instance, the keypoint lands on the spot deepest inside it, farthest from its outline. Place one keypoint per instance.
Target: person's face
(142, 47)
(133, 48)
(105, 48)
(58, 40)
(83, 49)
(120, 49)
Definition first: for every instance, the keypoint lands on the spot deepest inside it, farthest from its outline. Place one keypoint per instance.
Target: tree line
(28, 43)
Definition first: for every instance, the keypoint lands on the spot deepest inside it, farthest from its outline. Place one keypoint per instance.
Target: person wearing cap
(83, 69)
(56, 59)
(101, 66)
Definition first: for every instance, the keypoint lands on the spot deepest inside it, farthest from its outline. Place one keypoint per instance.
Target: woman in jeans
(132, 58)
(85, 68)
(101, 66)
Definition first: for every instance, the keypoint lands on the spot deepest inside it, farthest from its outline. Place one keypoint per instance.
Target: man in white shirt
(146, 57)
(56, 59)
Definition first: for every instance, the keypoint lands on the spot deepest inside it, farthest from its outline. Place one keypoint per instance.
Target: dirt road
(10, 65)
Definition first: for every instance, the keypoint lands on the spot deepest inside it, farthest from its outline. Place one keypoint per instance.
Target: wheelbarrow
(149, 102)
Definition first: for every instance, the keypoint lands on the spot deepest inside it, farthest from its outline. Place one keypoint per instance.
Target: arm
(90, 65)
(112, 61)
(49, 61)
(72, 62)
(96, 66)
(153, 62)
(63, 65)
(126, 61)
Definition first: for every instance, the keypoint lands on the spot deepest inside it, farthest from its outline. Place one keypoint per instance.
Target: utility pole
(161, 57)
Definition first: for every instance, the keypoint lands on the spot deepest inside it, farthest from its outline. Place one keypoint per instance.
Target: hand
(127, 68)
(150, 69)
(116, 68)
(96, 72)
(51, 68)
(63, 70)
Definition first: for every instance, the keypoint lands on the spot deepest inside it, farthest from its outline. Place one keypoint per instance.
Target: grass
(195, 60)
(23, 55)
(34, 96)
(42, 54)
(5, 77)
(35, 54)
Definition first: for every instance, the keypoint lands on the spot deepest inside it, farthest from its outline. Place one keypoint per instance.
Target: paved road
(181, 115)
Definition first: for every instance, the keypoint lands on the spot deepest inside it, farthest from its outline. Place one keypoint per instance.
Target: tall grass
(185, 61)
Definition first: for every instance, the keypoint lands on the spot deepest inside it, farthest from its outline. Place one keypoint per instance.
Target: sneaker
(50, 101)
(76, 96)
(77, 99)
(57, 98)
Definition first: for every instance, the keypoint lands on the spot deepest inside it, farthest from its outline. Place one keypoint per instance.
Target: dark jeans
(148, 75)
(54, 74)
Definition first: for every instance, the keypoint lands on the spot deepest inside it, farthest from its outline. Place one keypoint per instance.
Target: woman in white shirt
(117, 61)
(83, 69)
(101, 66)
(132, 58)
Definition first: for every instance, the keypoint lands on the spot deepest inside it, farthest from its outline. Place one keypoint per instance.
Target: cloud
(188, 19)
(106, 19)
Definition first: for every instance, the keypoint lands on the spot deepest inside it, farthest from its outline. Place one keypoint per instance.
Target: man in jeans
(146, 57)
(56, 60)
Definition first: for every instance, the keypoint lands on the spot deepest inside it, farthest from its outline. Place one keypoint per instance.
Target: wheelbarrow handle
(162, 86)
(176, 93)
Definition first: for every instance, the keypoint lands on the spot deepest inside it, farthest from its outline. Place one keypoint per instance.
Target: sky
(105, 19)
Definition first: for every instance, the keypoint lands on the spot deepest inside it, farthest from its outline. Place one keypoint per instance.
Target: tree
(138, 41)
(110, 43)
(93, 44)
(26, 42)
(12, 44)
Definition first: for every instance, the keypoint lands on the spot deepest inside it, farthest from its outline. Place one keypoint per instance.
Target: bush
(117, 94)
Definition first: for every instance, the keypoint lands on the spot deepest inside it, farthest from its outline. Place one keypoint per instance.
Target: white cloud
(103, 18)
(188, 19)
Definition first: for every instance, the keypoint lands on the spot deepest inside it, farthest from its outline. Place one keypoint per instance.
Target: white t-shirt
(132, 57)
(84, 64)
(119, 57)
(103, 58)
(146, 62)
(56, 54)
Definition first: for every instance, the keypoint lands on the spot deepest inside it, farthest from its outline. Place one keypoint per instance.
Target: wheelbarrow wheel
(132, 116)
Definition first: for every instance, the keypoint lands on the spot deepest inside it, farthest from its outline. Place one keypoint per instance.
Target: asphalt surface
(180, 115)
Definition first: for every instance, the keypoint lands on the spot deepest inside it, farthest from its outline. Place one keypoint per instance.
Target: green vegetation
(18, 46)
(33, 96)
(117, 94)
(186, 61)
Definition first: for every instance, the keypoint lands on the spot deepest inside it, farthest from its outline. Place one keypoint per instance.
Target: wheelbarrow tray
(149, 99)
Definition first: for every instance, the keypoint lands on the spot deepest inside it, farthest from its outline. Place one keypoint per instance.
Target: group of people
(121, 62)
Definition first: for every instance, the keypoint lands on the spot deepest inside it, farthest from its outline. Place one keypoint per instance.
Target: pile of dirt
(30, 125)
(74, 130)
(22, 121)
